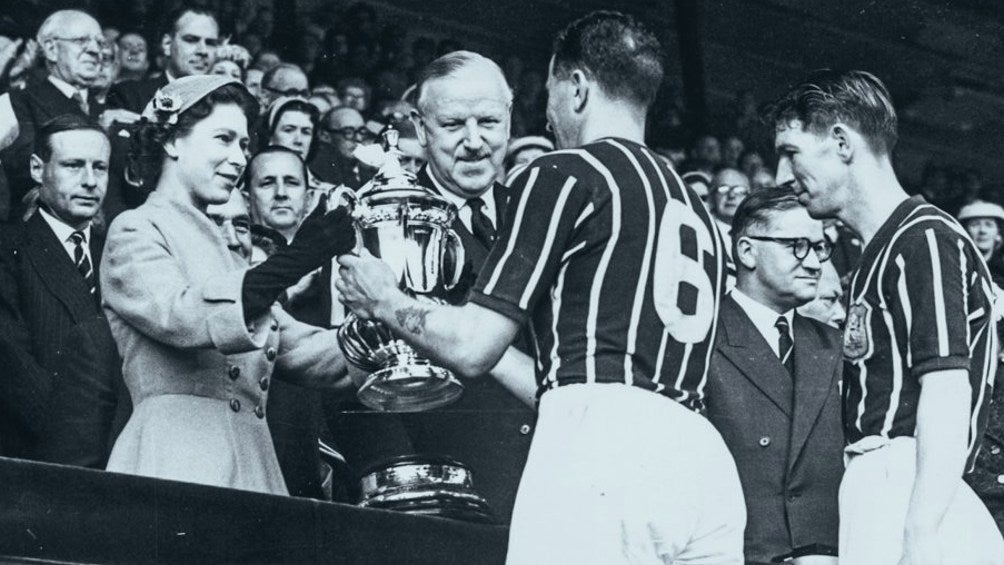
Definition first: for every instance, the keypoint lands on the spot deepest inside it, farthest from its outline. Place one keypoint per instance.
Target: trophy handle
(458, 252)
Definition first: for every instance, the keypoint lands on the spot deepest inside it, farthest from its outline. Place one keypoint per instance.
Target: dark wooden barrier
(52, 513)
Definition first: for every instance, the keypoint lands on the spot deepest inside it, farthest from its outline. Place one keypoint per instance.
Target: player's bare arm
(942, 428)
(470, 339)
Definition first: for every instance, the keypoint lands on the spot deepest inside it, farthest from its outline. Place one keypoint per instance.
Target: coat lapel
(57, 271)
(746, 348)
(815, 369)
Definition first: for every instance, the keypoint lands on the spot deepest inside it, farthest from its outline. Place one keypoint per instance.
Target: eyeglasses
(84, 40)
(736, 191)
(359, 134)
(291, 92)
(800, 246)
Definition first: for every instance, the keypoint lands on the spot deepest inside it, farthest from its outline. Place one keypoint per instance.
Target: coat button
(524, 429)
(263, 383)
(995, 450)
(259, 411)
(275, 324)
(235, 405)
(1000, 479)
(235, 372)
(764, 441)
(270, 354)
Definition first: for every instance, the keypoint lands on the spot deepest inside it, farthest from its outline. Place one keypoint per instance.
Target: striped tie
(81, 260)
(785, 346)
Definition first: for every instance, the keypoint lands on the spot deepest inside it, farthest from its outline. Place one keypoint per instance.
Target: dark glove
(321, 236)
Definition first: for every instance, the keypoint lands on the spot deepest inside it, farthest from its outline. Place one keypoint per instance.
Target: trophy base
(413, 387)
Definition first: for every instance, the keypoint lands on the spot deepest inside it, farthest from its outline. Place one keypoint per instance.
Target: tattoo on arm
(412, 319)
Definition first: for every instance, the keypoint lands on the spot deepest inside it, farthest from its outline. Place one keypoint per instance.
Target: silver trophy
(408, 226)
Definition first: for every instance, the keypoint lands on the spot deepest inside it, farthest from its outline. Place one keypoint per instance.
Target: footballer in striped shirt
(919, 341)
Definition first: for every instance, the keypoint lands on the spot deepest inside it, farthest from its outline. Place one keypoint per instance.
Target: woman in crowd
(985, 223)
(231, 61)
(292, 123)
(199, 332)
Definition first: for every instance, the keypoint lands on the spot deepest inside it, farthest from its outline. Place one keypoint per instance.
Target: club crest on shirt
(857, 332)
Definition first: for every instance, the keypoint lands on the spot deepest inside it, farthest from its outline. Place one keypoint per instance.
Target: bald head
(75, 61)
(341, 128)
(462, 65)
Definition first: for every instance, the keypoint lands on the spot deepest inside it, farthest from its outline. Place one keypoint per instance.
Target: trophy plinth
(408, 226)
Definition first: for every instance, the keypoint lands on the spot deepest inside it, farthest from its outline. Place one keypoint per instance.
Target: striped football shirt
(920, 301)
(616, 264)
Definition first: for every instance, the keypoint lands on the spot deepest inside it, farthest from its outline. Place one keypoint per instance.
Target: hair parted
(59, 124)
(616, 51)
(146, 150)
(755, 211)
(169, 25)
(856, 98)
(272, 150)
(449, 65)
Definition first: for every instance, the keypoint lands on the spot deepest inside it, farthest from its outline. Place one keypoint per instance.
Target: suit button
(263, 383)
(524, 429)
(275, 324)
(270, 354)
(1000, 479)
(764, 441)
(995, 450)
(259, 411)
(235, 372)
(793, 496)
(235, 405)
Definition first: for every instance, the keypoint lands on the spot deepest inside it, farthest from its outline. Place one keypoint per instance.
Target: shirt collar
(763, 317)
(63, 231)
(488, 197)
(66, 88)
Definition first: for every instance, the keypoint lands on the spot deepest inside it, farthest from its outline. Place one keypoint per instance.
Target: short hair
(55, 22)
(271, 150)
(59, 124)
(756, 209)
(449, 65)
(269, 76)
(616, 51)
(857, 98)
(170, 24)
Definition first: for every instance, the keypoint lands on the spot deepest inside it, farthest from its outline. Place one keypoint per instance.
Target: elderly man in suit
(773, 381)
(62, 398)
(70, 42)
(462, 121)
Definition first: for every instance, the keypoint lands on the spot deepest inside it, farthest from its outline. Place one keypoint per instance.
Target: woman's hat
(981, 209)
(277, 105)
(181, 94)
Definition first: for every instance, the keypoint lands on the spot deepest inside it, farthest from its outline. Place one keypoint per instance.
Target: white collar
(63, 231)
(763, 317)
(66, 88)
(488, 197)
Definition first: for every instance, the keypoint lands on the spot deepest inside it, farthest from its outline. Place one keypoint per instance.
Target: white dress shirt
(764, 319)
(463, 206)
(63, 234)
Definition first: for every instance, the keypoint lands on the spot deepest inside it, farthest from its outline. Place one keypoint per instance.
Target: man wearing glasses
(342, 130)
(728, 188)
(70, 42)
(284, 79)
(772, 385)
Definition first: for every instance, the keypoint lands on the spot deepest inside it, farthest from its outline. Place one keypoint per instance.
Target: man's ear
(165, 45)
(841, 135)
(36, 165)
(50, 50)
(581, 86)
(419, 122)
(746, 254)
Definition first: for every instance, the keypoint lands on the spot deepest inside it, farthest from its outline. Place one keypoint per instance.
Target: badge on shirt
(857, 332)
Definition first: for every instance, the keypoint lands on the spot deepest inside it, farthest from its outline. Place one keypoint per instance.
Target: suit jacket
(785, 436)
(133, 95)
(35, 104)
(62, 398)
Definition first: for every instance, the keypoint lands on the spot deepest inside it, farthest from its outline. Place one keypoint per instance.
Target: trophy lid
(391, 176)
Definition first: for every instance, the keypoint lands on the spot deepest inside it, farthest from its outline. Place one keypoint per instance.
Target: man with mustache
(70, 42)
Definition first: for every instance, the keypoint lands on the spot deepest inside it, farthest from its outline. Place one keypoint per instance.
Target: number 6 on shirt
(680, 274)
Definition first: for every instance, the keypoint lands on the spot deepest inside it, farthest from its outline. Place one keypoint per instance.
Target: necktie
(785, 346)
(82, 261)
(481, 226)
(79, 99)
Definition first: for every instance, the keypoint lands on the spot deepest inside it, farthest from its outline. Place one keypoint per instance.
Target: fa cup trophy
(408, 226)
